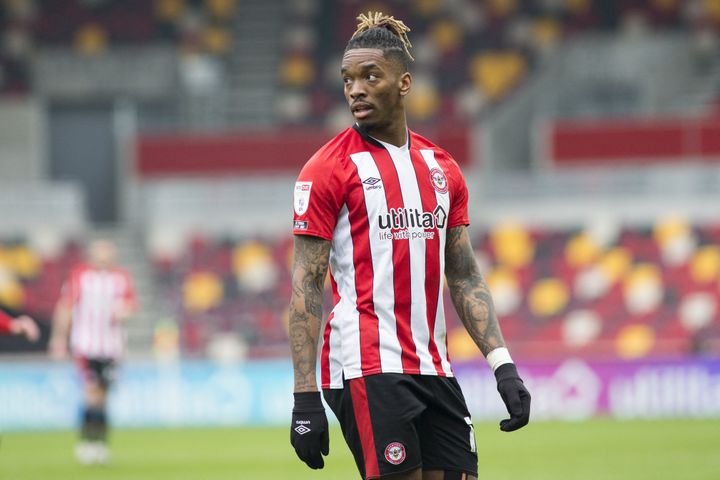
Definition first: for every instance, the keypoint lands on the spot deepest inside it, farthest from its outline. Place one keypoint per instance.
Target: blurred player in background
(22, 325)
(96, 299)
(387, 210)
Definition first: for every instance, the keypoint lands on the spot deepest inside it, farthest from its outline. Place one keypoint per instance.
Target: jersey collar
(363, 133)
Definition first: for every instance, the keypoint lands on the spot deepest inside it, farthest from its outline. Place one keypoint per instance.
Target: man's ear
(405, 82)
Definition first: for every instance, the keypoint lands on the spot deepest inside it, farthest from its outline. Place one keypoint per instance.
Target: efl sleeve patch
(301, 198)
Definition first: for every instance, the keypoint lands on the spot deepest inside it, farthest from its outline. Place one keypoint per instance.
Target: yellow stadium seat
(25, 262)
(495, 73)
(169, 10)
(616, 263)
(665, 5)
(461, 346)
(427, 8)
(578, 7)
(548, 297)
(503, 8)
(91, 39)
(705, 264)
(634, 341)
(202, 291)
(546, 32)
(667, 229)
(12, 293)
(249, 255)
(254, 267)
(512, 245)
(297, 71)
(581, 250)
(217, 40)
(712, 9)
(221, 9)
(446, 35)
(424, 102)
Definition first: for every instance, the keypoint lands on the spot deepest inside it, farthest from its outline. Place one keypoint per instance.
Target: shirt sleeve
(5, 320)
(458, 196)
(317, 198)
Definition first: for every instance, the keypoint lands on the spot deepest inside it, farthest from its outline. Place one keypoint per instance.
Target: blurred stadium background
(589, 132)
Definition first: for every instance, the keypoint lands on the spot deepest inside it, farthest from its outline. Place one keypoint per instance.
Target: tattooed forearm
(310, 265)
(470, 293)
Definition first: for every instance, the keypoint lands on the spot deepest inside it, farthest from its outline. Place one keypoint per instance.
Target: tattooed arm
(310, 264)
(470, 293)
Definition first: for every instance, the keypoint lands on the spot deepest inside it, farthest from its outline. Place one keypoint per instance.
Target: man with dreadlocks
(387, 211)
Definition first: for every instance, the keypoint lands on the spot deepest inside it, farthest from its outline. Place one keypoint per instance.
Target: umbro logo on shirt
(372, 183)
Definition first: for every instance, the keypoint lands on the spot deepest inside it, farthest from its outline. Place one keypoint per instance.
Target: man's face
(102, 254)
(374, 87)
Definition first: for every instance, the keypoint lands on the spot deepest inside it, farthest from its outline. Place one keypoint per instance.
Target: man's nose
(357, 90)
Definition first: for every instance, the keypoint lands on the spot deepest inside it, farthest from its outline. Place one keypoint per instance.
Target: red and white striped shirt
(94, 296)
(386, 211)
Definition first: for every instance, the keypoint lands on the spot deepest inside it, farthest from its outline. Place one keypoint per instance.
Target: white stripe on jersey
(345, 342)
(418, 308)
(440, 329)
(382, 262)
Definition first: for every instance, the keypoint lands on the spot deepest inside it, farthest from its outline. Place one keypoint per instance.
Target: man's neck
(396, 134)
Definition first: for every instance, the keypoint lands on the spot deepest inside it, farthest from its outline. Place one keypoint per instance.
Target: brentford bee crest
(438, 180)
(395, 453)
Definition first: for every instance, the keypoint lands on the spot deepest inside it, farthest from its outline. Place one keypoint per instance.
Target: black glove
(515, 395)
(309, 430)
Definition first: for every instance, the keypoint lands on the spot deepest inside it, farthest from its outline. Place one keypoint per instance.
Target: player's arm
(473, 303)
(309, 429)
(61, 322)
(470, 294)
(127, 304)
(22, 325)
(310, 264)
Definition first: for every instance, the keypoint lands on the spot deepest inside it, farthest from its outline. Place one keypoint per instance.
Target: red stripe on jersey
(364, 281)
(401, 264)
(325, 354)
(433, 275)
(361, 409)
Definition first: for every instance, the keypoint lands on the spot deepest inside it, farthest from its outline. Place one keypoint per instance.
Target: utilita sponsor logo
(411, 223)
(402, 218)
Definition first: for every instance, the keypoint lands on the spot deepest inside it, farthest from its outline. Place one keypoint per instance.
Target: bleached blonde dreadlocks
(384, 32)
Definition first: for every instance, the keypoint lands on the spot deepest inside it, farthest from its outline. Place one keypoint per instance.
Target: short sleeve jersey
(386, 211)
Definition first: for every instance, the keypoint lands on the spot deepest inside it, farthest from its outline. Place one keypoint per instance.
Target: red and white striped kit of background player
(386, 211)
(95, 295)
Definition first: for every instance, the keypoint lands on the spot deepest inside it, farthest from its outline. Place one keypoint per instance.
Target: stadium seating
(93, 27)
(31, 278)
(628, 291)
(470, 55)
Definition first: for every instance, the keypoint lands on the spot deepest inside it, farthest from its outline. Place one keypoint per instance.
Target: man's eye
(346, 80)
(372, 77)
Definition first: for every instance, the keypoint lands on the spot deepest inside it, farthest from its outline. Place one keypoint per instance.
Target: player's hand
(309, 429)
(26, 326)
(515, 395)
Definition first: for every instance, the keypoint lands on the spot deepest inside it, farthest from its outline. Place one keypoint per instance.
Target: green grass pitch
(599, 449)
